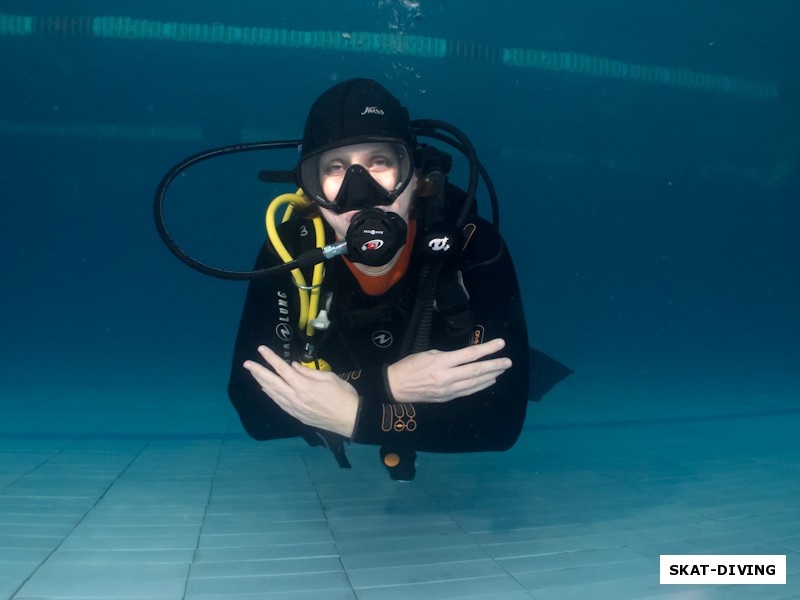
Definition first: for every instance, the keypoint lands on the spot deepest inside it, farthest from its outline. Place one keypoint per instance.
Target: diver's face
(380, 160)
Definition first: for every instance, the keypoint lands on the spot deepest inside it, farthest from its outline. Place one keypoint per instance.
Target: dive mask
(356, 182)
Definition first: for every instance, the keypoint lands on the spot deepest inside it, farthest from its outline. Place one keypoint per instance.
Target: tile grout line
(85, 514)
(32, 470)
(203, 521)
(482, 547)
(327, 523)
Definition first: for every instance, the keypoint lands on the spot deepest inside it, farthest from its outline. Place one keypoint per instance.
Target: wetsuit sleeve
(488, 420)
(265, 320)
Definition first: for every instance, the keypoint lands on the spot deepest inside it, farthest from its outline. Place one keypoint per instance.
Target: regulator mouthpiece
(375, 236)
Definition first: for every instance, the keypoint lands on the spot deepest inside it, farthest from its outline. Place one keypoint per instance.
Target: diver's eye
(334, 168)
(380, 163)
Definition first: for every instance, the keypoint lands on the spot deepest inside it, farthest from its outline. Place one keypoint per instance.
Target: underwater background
(652, 214)
(639, 253)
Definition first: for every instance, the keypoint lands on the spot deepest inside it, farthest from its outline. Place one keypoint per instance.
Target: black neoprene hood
(355, 111)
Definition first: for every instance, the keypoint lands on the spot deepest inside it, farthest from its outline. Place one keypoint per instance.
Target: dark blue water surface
(647, 240)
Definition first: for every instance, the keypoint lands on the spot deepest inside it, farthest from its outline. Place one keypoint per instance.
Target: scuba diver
(415, 339)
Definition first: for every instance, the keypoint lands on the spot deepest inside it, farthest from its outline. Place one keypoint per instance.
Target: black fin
(543, 374)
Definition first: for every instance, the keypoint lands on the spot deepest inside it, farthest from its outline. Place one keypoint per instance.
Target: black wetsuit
(366, 334)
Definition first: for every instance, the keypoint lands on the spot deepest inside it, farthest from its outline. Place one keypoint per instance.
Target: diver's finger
(494, 366)
(472, 353)
(281, 367)
(270, 382)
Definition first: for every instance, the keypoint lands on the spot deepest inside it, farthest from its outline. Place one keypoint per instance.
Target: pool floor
(157, 494)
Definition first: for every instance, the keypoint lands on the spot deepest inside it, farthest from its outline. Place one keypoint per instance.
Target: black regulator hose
(161, 227)
(428, 127)
(422, 313)
(424, 127)
(417, 338)
(484, 174)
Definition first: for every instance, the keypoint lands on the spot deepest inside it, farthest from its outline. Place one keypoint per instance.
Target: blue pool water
(652, 215)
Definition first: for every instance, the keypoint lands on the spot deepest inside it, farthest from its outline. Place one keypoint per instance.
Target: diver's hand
(317, 398)
(436, 376)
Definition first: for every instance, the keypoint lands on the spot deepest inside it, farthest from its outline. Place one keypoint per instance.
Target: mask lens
(322, 175)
